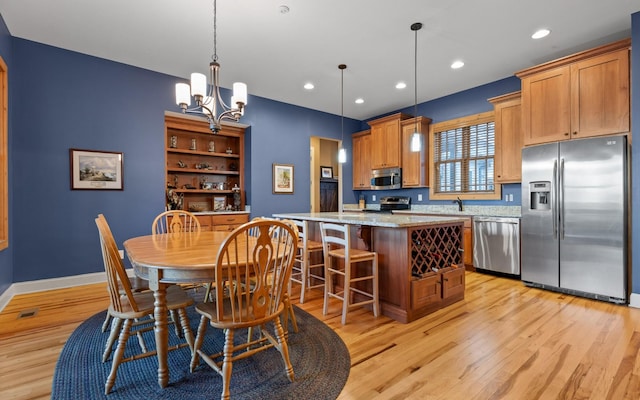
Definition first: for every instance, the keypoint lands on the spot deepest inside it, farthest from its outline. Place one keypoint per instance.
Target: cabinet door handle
(575, 133)
(566, 133)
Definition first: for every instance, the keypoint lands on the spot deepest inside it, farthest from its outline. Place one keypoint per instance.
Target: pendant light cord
(214, 57)
(415, 28)
(342, 68)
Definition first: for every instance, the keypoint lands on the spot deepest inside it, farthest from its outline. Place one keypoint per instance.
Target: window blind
(464, 159)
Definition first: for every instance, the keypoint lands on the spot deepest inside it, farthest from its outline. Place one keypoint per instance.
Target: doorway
(324, 153)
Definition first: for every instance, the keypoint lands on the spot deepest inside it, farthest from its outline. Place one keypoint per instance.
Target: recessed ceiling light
(401, 85)
(539, 34)
(308, 86)
(457, 64)
(359, 101)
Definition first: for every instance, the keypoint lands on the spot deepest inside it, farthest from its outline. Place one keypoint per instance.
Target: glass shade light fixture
(416, 137)
(207, 97)
(342, 153)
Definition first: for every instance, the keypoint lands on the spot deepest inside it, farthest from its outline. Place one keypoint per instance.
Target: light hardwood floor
(504, 341)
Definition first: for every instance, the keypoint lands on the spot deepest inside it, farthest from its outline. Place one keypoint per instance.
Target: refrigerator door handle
(554, 187)
(561, 199)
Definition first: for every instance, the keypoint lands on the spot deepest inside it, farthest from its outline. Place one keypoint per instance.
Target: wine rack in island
(204, 171)
(437, 269)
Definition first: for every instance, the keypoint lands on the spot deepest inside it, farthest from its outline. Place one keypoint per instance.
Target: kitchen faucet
(459, 202)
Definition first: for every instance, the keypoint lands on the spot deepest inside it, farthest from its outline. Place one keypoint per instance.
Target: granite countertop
(451, 210)
(373, 219)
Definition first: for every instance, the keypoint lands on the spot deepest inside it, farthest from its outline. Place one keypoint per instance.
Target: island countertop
(385, 220)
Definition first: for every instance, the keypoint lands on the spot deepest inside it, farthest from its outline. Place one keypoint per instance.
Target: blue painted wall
(79, 101)
(6, 256)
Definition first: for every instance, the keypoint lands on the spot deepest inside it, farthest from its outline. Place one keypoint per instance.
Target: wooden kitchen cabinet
(222, 221)
(508, 138)
(583, 95)
(361, 143)
(386, 141)
(415, 165)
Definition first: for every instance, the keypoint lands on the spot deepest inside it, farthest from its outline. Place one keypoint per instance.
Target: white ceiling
(276, 53)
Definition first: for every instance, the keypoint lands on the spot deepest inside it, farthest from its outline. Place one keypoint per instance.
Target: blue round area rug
(319, 357)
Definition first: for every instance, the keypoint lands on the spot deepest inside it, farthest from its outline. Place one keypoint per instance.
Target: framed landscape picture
(282, 178)
(90, 169)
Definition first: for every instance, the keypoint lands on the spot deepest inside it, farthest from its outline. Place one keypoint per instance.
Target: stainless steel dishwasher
(496, 244)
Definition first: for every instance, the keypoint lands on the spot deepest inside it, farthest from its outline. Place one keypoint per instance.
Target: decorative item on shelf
(173, 185)
(342, 153)
(236, 197)
(232, 167)
(173, 143)
(193, 145)
(229, 151)
(181, 164)
(219, 203)
(207, 101)
(174, 200)
(188, 186)
(203, 165)
(207, 185)
(212, 146)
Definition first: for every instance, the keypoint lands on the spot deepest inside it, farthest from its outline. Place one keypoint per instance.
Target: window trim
(468, 120)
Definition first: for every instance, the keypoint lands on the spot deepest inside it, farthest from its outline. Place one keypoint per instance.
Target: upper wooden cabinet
(583, 95)
(361, 160)
(415, 165)
(385, 141)
(508, 137)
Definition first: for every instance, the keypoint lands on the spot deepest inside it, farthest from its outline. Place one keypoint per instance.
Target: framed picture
(219, 203)
(326, 172)
(282, 178)
(92, 169)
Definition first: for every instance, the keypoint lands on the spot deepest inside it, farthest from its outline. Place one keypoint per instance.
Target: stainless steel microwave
(385, 179)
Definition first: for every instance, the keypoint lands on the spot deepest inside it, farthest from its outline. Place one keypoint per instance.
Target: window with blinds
(463, 156)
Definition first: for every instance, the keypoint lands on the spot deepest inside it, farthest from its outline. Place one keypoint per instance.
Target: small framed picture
(282, 178)
(326, 172)
(92, 169)
(219, 203)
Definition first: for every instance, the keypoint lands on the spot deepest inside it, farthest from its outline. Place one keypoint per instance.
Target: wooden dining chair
(251, 278)
(336, 241)
(130, 310)
(306, 272)
(175, 221)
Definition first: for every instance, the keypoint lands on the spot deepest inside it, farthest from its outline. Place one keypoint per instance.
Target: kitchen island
(420, 257)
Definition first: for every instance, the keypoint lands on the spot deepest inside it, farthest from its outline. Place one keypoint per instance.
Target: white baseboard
(634, 300)
(53, 283)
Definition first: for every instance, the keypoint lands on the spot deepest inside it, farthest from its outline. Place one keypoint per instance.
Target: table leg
(161, 332)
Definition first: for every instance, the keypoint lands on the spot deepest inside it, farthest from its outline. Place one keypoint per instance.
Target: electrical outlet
(510, 196)
(419, 197)
(373, 197)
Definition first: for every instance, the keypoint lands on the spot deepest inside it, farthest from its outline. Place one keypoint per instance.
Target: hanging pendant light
(208, 98)
(416, 137)
(342, 153)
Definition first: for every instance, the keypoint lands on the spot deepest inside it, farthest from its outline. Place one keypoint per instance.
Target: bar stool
(336, 242)
(306, 274)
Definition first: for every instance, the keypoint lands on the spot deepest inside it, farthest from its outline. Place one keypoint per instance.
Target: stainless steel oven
(387, 178)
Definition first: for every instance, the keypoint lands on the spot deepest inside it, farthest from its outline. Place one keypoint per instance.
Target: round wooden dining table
(170, 258)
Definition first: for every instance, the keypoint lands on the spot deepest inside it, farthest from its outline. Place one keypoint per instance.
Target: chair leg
(106, 323)
(186, 329)
(202, 329)
(376, 301)
(328, 279)
(116, 326)
(117, 356)
(346, 294)
(227, 363)
(289, 313)
(284, 350)
(304, 277)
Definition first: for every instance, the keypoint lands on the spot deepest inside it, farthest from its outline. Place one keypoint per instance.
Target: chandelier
(207, 97)
(342, 153)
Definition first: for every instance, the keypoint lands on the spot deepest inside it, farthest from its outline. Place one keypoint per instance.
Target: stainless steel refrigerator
(574, 217)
